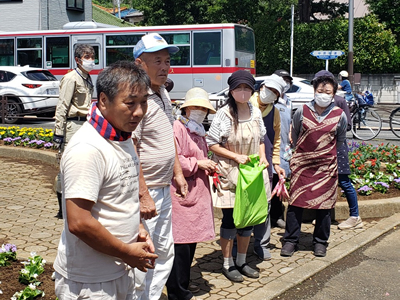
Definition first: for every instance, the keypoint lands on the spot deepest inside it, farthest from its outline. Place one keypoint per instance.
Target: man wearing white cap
(155, 145)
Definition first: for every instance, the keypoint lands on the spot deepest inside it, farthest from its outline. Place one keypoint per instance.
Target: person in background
(155, 144)
(236, 132)
(203, 55)
(270, 91)
(318, 129)
(354, 221)
(284, 105)
(192, 218)
(345, 85)
(103, 238)
(75, 98)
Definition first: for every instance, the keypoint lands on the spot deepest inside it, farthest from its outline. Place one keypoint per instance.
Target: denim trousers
(351, 194)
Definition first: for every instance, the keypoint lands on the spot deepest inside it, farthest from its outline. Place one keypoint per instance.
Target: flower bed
(25, 280)
(27, 137)
(374, 169)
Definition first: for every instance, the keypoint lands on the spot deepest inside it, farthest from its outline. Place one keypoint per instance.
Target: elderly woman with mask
(236, 132)
(318, 129)
(270, 91)
(192, 216)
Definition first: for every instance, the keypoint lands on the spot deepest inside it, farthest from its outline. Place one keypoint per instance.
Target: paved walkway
(28, 205)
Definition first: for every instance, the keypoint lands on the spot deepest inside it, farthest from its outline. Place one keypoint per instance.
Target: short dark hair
(325, 80)
(82, 49)
(118, 75)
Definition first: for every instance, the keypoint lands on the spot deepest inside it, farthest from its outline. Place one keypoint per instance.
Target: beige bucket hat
(198, 97)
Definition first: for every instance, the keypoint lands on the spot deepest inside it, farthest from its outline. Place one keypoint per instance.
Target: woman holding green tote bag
(237, 131)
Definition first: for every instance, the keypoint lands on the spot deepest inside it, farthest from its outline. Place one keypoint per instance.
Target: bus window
(244, 39)
(57, 52)
(120, 47)
(7, 52)
(182, 40)
(29, 52)
(207, 48)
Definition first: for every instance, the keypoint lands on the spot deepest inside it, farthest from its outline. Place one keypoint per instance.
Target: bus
(208, 53)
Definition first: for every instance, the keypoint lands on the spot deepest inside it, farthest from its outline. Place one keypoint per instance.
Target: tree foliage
(178, 12)
(388, 11)
(375, 48)
(309, 10)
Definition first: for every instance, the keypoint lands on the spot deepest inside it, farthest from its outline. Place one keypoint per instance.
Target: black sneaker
(288, 249)
(232, 274)
(319, 250)
(246, 270)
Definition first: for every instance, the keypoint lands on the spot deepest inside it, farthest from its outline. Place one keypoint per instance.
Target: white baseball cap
(276, 82)
(152, 42)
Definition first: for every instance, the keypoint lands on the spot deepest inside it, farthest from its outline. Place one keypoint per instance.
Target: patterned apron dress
(314, 164)
(246, 141)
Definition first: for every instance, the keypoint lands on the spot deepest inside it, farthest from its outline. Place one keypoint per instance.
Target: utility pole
(291, 41)
(350, 53)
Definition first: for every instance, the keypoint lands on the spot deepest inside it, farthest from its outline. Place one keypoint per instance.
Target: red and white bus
(208, 53)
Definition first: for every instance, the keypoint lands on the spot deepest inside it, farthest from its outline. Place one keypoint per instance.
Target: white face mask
(87, 65)
(197, 116)
(322, 99)
(267, 96)
(241, 96)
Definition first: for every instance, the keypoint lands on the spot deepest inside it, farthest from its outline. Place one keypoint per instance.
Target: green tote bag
(251, 203)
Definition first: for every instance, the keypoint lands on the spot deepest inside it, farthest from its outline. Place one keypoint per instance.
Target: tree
(178, 12)
(388, 12)
(375, 49)
(308, 9)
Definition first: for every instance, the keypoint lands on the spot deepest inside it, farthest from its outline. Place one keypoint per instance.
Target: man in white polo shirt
(103, 238)
(155, 145)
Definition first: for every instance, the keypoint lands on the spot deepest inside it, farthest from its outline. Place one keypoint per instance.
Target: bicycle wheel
(366, 124)
(394, 121)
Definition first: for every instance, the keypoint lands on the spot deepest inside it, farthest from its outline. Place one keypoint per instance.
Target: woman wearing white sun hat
(192, 216)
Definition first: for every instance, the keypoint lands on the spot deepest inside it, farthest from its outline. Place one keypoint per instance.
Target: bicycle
(366, 122)
(394, 121)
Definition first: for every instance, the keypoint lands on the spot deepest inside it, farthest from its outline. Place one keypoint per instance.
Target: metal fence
(10, 116)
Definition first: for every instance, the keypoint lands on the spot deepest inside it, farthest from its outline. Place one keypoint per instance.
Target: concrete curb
(28, 153)
(302, 273)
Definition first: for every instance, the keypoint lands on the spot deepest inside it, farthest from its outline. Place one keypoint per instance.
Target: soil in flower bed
(10, 284)
(391, 193)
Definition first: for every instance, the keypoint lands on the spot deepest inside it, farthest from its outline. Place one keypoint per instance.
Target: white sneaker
(351, 223)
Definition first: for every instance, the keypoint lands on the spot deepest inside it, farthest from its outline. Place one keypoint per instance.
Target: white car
(19, 84)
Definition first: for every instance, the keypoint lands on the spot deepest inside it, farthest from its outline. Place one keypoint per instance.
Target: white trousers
(117, 289)
(149, 286)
